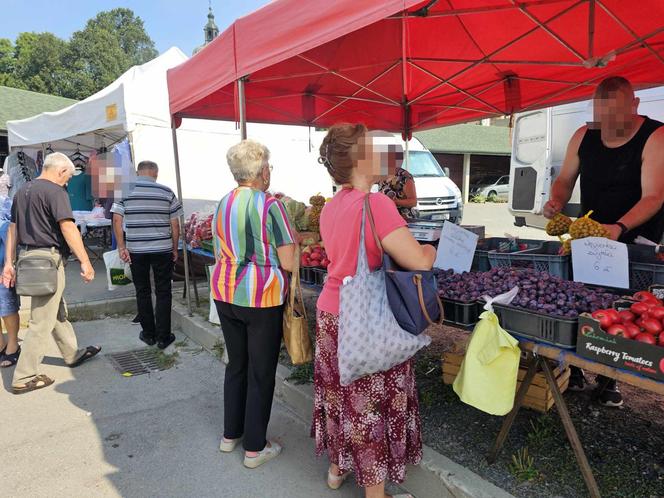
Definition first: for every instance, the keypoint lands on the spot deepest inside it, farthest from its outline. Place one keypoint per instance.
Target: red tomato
(618, 329)
(652, 326)
(639, 308)
(605, 318)
(647, 338)
(657, 312)
(660, 339)
(646, 296)
(632, 329)
(626, 316)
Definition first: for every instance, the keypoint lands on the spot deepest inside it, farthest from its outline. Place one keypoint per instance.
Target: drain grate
(138, 362)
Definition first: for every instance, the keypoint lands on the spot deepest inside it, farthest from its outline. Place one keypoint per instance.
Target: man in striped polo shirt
(150, 216)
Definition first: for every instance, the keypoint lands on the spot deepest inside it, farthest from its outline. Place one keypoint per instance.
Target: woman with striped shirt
(254, 248)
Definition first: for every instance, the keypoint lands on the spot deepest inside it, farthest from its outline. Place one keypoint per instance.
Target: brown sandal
(37, 382)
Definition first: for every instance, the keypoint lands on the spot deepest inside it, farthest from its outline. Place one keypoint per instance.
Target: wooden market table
(537, 354)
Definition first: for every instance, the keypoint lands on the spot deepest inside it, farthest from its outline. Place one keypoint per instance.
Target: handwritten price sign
(600, 261)
(456, 248)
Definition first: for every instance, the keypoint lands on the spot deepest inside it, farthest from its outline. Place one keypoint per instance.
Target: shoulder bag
(295, 326)
(36, 274)
(413, 295)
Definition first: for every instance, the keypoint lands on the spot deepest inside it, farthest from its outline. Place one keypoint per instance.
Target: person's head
(351, 153)
(57, 168)
(148, 168)
(249, 164)
(615, 106)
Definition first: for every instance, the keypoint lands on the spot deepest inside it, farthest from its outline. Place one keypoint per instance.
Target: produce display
(317, 203)
(558, 225)
(198, 228)
(643, 321)
(314, 256)
(539, 292)
(567, 230)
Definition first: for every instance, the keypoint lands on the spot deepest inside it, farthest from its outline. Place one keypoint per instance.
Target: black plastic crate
(307, 275)
(544, 258)
(485, 246)
(644, 267)
(561, 332)
(319, 276)
(461, 313)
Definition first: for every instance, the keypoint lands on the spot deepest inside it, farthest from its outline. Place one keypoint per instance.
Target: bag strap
(372, 224)
(295, 283)
(417, 280)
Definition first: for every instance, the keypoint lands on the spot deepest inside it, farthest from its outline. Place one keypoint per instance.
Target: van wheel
(493, 196)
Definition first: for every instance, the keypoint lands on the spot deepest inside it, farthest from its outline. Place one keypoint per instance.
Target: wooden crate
(538, 397)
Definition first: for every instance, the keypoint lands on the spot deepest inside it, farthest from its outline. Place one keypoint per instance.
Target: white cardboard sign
(600, 261)
(456, 248)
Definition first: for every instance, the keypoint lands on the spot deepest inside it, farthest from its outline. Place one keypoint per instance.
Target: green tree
(129, 31)
(39, 62)
(6, 56)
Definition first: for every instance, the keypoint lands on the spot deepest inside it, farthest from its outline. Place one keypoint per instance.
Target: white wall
(203, 144)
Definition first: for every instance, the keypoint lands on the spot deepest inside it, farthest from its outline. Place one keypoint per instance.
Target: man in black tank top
(619, 161)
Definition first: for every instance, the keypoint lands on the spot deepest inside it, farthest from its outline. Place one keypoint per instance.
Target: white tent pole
(185, 253)
(242, 108)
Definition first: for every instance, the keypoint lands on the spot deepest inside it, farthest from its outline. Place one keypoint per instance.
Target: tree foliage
(107, 46)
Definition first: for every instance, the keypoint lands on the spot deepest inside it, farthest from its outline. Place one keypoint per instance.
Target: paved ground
(97, 433)
(498, 221)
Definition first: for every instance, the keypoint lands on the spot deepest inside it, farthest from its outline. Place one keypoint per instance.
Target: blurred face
(378, 155)
(614, 113)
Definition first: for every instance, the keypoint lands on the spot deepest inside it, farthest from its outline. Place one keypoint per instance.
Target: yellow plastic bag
(488, 374)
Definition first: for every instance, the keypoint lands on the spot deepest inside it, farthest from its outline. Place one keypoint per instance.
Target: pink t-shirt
(340, 229)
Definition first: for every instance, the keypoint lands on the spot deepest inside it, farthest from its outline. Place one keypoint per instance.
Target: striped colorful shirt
(148, 211)
(248, 227)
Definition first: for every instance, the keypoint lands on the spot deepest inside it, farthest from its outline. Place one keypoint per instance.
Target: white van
(539, 143)
(438, 197)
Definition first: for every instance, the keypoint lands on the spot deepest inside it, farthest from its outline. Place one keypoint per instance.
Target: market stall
(384, 64)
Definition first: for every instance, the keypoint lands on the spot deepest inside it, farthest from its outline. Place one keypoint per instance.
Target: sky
(168, 22)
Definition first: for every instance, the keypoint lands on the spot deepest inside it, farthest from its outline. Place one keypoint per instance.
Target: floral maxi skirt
(372, 426)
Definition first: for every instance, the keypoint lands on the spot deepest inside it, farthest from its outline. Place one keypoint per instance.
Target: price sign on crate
(600, 261)
(456, 248)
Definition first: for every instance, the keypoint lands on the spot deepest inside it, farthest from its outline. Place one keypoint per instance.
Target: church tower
(211, 30)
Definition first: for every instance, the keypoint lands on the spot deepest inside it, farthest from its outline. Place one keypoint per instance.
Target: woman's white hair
(246, 160)
(58, 160)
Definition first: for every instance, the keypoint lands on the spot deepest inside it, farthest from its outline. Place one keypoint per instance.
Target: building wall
(4, 147)
(480, 165)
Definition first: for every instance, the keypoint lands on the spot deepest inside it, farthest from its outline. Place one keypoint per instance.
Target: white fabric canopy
(138, 97)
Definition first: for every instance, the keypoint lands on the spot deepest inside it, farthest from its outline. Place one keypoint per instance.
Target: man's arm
(175, 236)
(652, 185)
(75, 242)
(562, 188)
(9, 274)
(119, 237)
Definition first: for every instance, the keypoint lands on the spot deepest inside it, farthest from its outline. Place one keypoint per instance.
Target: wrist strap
(623, 228)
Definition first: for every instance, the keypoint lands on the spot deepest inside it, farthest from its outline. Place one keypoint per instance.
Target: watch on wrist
(623, 228)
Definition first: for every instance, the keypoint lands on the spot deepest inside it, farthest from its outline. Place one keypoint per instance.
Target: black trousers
(162, 269)
(253, 340)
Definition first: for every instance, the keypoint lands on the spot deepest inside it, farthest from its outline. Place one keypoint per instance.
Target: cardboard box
(627, 354)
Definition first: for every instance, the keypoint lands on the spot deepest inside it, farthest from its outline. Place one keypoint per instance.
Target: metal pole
(242, 108)
(185, 253)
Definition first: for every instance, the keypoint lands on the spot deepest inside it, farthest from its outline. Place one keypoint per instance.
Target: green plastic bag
(488, 374)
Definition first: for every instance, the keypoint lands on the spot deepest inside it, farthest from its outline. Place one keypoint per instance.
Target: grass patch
(218, 350)
(523, 466)
(541, 430)
(181, 344)
(166, 360)
(302, 374)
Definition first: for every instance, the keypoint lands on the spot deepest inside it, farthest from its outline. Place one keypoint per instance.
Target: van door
(529, 166)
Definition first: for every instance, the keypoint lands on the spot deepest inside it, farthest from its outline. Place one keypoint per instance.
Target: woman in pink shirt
(371, 427)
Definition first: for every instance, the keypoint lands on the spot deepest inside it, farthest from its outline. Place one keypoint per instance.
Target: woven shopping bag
(295, 326)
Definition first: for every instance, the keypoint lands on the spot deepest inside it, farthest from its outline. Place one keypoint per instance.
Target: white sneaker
(271, 450)
(228, 446)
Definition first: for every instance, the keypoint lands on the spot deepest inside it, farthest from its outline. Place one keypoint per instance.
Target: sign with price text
(456, 248)
(600, 261)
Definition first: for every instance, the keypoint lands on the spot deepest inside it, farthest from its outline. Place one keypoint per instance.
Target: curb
(95, 310)
(435, 476)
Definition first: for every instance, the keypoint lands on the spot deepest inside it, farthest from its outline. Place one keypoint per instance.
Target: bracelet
(623, 228)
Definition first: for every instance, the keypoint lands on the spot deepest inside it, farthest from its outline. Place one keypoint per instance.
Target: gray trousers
(48, 316)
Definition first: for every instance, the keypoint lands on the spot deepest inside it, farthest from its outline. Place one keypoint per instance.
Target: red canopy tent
(403, 65)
